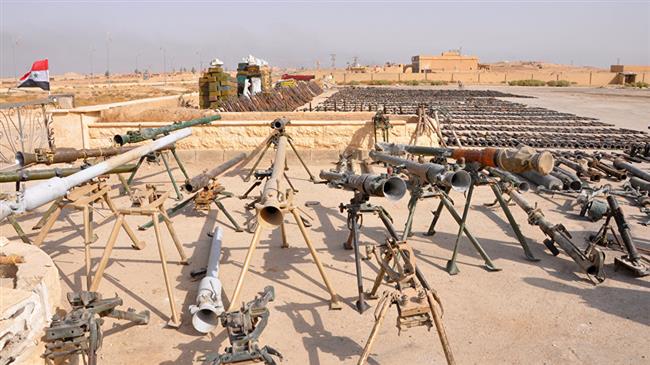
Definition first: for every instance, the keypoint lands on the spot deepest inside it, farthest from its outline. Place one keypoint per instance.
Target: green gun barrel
(151, 133)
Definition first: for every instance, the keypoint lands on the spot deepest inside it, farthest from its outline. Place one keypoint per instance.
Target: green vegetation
(559, 83)
(639, 84)
(438, 82)
(411, 82)
(527, 83)
(380, 82)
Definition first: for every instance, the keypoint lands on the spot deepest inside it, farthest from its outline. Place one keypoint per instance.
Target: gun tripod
(151, 205)
(445, 201)
(272, 140)
(286, 207)
(160, 155)
(203, 199)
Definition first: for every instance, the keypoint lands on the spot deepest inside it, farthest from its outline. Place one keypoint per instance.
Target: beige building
(627, 74)
(447, 61)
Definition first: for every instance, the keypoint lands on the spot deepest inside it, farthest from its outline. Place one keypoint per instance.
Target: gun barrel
(65, 155)
(623, 228)
(270, 211)
(432, 173)
(37, 195)
(151, 133)
(518, 183)
(548, 181)
(391, 187)
(279, 123)
(208, 308)
(30, 175)
(633, 170)
(202, 180)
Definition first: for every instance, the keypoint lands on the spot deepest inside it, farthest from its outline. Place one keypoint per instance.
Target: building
(447, 61)
(627, 74)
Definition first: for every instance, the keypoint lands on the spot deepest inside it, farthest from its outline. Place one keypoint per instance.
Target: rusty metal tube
(390, 187)
(432, 173)
(631, 169)
(548, 181)
(30, 175)
(56, 187)
(640, 184)
(66, 155)
(202, 180)
(270, 205)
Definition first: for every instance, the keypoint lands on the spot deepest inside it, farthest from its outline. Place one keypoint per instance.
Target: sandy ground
(542, 312)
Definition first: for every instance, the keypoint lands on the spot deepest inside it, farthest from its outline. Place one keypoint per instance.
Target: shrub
(559, 83)
(411, 82)
(438, 82)
(353, 83)
(639, 84)
(527, 83)
(380, 82)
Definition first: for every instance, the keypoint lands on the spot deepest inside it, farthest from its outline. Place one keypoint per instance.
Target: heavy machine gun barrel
(29, 175)
(273, 198)
(506, 176)
(518, 160)
(47, 156)
(56, 187)
(391, 187)
(432, 173)
(140, 135)
(202, 180)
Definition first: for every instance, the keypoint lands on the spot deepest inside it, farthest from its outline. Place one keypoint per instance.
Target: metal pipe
(66, 155)
(640, 184)
(571, 175)
(390, 187)
(513, 179)
(547, 181)
(432, 173)
(30, 175)
(272, 199)
(56, 187)
(202, 180)
(631, 169)
(151, 133)
(209, 306)
(568, 183)
(518, 160)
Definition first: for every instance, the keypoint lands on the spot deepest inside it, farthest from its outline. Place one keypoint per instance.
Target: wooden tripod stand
(152, 206)
(287, 207)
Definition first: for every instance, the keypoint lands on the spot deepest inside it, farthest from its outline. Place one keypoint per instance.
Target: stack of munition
(248, 71)
(214, 85)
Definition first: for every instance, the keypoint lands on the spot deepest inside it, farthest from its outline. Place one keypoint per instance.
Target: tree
(193, 70)
(107, 74)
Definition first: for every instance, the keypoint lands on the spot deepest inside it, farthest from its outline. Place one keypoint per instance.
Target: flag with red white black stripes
(38, 76)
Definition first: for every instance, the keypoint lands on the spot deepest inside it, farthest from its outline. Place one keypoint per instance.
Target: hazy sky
(73, 34)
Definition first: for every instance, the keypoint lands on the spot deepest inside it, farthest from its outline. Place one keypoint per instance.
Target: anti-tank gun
(144, 134)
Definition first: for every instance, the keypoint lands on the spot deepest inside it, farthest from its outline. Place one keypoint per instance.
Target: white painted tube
(56, 187)
(209, 306)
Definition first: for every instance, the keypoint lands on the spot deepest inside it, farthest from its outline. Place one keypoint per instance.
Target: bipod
(203, 199)
(445, 201)
(150, 204)
(272, 140)
(287, 207)
(155, 156)
(417, 304)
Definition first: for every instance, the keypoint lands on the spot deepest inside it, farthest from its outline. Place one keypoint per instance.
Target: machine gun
(43, 174)
(244, 328)
(518, 160)
(144, 134)
(45, 156)
(364, 186)
(79, 331)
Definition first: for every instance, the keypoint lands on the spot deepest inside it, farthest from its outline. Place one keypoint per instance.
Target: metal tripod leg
(135, 171)
(172, 233)
(179, 196)
(234, 300)
(107, 253)
(88, 240)
(283, 231)
(174, 320)
(255, 184)
(379, 319)
(18, 229)
(413, 202)
(227, 214)
(452, 268)
(513, 223)
(48, 225)
(436, 215)
(180, 164)
(269, 142)
(334, 299)
(304, 165)
(440, 327)
(353, 224)
(170, 213)
(136, 243)
(46, 215)
(125, 185)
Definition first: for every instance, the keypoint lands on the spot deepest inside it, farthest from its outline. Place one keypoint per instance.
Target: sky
(85, 36)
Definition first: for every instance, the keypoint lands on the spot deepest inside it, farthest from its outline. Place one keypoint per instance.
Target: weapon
(79, 331)
(511, 178)
(380, 121)
(202, 180)
(596, 163)
(56, 187)
(152, 133)
(390, 187)
(591, 261)
(518, 160)
(208, 308)
(244, 328)
(47, 156)
(29, 175)
(632, 261)
(570, 180)
(279, 123)
(581, 167)
(640, 184)
(631, 169)
(548, 181)
(364, 186)
(431, 173)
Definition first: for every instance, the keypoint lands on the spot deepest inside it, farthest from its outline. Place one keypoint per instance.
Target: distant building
(627, 73)
(447, 61)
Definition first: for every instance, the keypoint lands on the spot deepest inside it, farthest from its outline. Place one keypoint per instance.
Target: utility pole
(108, 56)
(14, 44)
(164, 65)
(137, 68)
(333, 59)
(92, 75)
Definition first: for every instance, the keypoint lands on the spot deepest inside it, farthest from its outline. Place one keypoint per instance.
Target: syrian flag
(38, 76)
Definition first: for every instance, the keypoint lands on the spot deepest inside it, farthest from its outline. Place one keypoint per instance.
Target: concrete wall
(581, 78)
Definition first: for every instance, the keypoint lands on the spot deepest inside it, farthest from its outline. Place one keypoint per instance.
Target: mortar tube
(640, 184)
(547, 181)
(631, 169)
(209, 306)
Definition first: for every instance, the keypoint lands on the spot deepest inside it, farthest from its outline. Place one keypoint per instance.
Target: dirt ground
(542, 312)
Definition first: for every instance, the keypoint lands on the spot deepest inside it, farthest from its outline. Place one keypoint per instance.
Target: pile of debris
(278, 99)
(215, 85)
